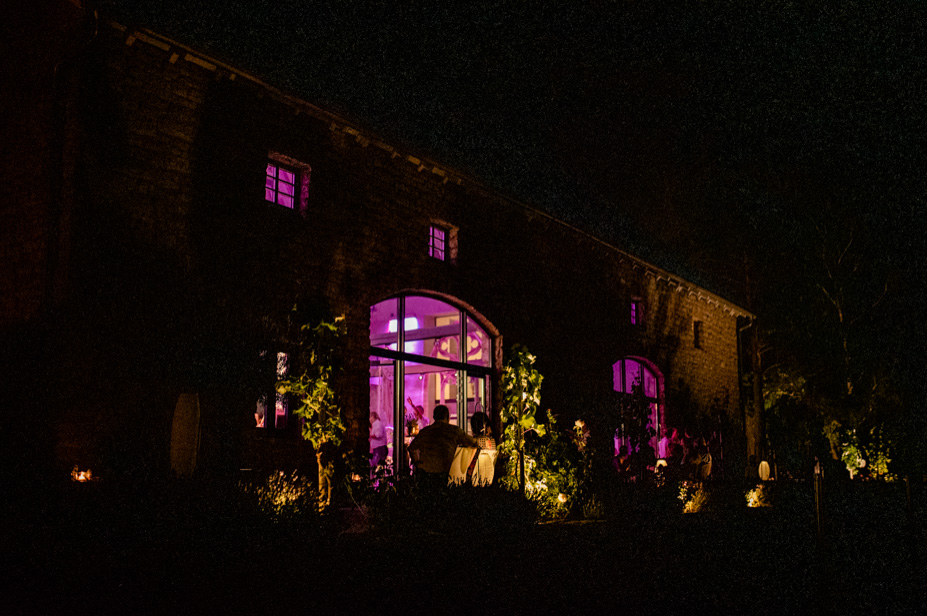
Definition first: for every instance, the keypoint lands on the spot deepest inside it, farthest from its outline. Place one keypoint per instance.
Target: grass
(202, 548)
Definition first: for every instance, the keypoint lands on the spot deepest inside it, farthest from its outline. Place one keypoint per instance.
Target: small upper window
(637, 312)
(437, 242)
(286, 182)
(697, 334)
(280, 185)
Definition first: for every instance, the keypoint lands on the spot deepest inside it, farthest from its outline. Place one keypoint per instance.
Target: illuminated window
(637, 312)
(446, 359)
(262, 411)
(437, 243)
(280, 406)
(280, 185)
(638, 377)
(697, 334)
(286, 182)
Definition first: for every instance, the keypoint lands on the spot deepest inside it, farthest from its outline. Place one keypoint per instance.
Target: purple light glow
(436, 244)
(280, 186)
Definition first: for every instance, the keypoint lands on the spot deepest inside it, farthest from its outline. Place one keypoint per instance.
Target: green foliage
(521, 398)
(322, 421)
(758, 497)
(694, 496)
(317, 406)
(282, 497)
(634, 412)
(871, 453)
(552, 470)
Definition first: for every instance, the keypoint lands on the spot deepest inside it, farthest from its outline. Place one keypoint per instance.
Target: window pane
(383, 324)
(287, 189)
(287, 176)
(271, 170)
(617, 379)
(477, 399)
(270, 194)
(285, 200)
(270, 183)
(260, 411)
(479, 346)
(650, 384)
(280, 412)
(632, 371)
(381, 410)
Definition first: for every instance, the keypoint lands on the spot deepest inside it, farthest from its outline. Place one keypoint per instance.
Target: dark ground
(93, 549)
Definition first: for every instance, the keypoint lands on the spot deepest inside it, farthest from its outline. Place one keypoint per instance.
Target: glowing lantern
(764, 470)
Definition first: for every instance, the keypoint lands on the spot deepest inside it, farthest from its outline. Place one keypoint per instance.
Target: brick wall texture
(180, 271)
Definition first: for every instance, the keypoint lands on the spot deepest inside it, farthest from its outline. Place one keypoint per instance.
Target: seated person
(434, 447)
(482, 432)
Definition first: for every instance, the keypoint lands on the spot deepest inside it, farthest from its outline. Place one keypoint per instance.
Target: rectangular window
(281, 404)
(280, 185)
(636, 312)
(437, 243)
(697, 334)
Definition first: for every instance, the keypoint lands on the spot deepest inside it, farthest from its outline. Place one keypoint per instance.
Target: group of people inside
(682, 456)
(435, 447)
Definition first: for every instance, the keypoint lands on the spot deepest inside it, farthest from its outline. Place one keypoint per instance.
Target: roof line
(454, 175)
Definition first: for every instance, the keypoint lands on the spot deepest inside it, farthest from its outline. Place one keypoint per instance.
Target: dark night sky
(687, 133)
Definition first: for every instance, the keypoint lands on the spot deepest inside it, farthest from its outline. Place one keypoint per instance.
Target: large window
(440, 355)
(638, 376)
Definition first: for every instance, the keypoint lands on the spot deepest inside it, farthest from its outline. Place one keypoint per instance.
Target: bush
(283, 497)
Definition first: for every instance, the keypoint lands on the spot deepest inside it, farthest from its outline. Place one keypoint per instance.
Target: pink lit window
(280, 185)
(636, 312)
(437, 245)
(280, 406)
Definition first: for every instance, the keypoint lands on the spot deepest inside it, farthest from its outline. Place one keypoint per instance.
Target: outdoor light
(764, 470)
(81, 476)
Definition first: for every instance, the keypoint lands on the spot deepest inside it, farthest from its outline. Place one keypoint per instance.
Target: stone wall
(182, 271)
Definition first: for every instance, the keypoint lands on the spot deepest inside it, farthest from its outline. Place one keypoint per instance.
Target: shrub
(694, 496)
(758, 497)
(282, 496)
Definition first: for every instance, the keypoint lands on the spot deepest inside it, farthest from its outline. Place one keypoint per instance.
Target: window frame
(433, 229)
(301, 180)
(637, 312)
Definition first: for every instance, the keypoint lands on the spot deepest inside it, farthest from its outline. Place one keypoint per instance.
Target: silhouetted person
(433, 450)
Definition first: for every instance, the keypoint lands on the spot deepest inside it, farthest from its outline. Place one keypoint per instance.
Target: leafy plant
(539, 459)
(635, 414)
(871, 453)
(757, 497)
(521, 397)
(282, 496)
(322, 422)
(694, 496)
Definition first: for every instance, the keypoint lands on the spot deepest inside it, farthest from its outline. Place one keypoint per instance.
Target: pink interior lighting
(280, 186)
(436, 244)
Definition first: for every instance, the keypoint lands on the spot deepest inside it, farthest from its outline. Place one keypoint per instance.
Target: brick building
(168, 211)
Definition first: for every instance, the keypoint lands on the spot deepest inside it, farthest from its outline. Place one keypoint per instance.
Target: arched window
(633, 374)
(420, 364)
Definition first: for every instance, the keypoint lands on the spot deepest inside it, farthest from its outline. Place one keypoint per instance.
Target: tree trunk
(325, 484)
